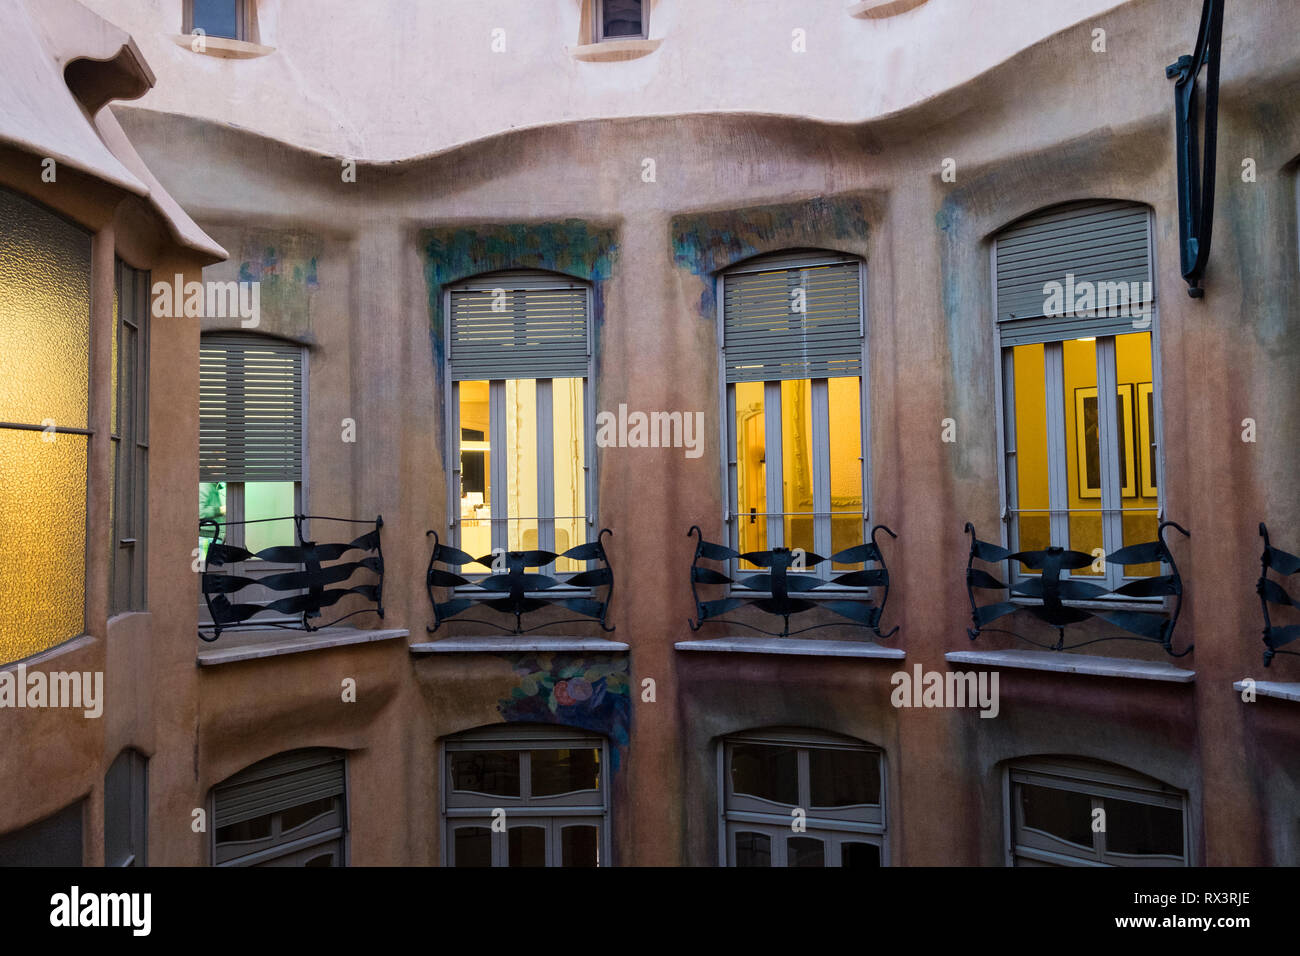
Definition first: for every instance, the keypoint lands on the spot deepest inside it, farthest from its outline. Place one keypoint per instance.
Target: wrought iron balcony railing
(1271, 592)
(777, 590)
(511, 589)
(1044, 595)
(307, 592)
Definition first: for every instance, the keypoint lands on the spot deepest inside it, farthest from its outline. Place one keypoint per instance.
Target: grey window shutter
(278, 783)
(1093, 241)
(519, 325)
(250, 409)
(765, 338)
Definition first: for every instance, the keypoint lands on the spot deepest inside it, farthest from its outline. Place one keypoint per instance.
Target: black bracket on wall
(1270, 592)
(511, 589)
(1044, 594)
(777, 586)
(1196, 164)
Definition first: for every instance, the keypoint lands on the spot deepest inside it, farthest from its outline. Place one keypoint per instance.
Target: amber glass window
(44, 426)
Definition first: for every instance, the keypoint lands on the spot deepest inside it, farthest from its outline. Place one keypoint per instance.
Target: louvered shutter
(766, 339)
(278, 783)
(519, 325)
(250, 409)
(1095, 242)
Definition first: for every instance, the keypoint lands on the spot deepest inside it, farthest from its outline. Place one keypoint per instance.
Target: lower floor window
(287, 810)
(794, 798)
(524, 796)
(1077, 814)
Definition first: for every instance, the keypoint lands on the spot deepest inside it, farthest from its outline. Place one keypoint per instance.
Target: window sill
(1271, 688)
(274, 642)
(821, 594)
(50, 653)
(223, 47)
(880, 9)
(793, 647)
(512, 644)
(1060, 662)
(611, 50)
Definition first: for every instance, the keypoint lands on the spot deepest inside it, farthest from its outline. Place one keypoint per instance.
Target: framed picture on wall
(1146, 409)
(1087, 441)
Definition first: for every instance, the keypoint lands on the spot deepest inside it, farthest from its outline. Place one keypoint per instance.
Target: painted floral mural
(575, 691)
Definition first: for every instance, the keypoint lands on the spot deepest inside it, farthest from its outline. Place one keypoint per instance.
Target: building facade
(855, 290)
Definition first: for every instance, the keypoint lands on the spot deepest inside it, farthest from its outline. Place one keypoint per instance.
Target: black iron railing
(778, 591)
(1044, 594)
(1282, 564)
(512, 589)
(306, 592)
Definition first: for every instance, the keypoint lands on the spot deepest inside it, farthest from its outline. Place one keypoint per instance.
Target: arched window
(801, 798)
(793, 361)
(1075, 317)
(286, 810)
(525, 795)
(1069, 812)
(519, 430)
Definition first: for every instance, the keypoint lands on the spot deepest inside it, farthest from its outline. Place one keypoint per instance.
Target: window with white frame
(219, 18)
(620, 20)
(286, 810)
(798, 798)
(792, 342)
(1080, 396)
(251, 451)
(552, 783)
(518, 359)
(1078, 813)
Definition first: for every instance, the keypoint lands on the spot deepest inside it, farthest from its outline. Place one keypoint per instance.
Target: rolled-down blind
(519, 325)
(1104, 244)
(250, 409)
(793, 321)
(278, 783)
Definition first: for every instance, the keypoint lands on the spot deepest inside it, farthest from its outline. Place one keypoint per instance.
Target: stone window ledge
(1061, 663)
(515, 644)
(1271, 688)
(274, 642)
(223, 47)
(880, 9)
(792, 647)
(610, 50)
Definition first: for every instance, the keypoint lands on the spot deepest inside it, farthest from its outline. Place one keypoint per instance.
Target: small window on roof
(621, 20)
(218, 18)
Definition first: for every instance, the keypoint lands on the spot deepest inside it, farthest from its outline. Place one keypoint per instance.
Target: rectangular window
(129, 499)
(837, 783)
(552, 786)
(217, 18)
(792, 343)
(518, 358)
(621, 20)
(126, 789)
(1072, 816)
(1079, 397)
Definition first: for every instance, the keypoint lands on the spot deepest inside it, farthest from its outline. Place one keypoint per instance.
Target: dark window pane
(217, 18)
(622, 18)
(258, 828)
(473, 846)
(564, 771)
(1141, 828)
(753, 849)
(579, 846)
(804, 851)
(859, 854)
(1062, 813)
(54, 841)
(768, 772)
(324, 860)
(486, 771)
(297, 816)
(527, 846)
(841, 778)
